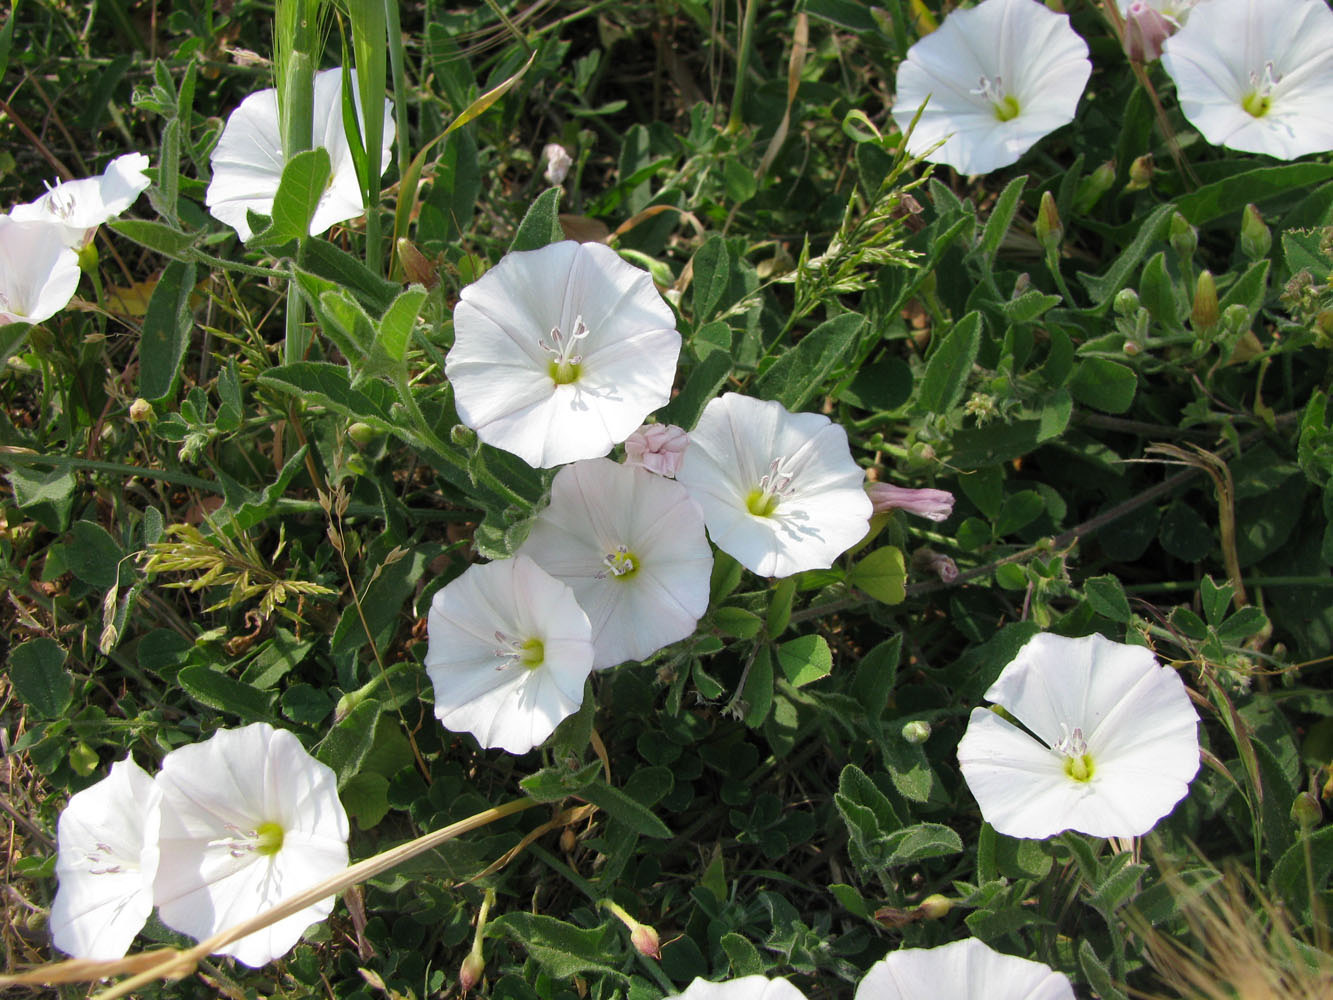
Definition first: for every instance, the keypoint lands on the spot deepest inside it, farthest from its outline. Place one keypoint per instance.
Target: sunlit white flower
(658, 448)
(509, 651)
(779, 490)
(1114, 746)
(249, 818)
(744, 988)
(632, 546)
(79, 207)
(106, 862)
(38, 271)
(560, 353)
(966, 968)
(998, 77)
(248, 159)
(1257, 75)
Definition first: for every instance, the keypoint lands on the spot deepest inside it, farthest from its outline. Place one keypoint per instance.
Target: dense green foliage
(1125, 461)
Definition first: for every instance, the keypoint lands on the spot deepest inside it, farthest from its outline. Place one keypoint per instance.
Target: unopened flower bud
(1145, 31)
(646, 941)
(1140, 173)
(419, 268)
(936, 906)
(362, 434)
(1092, 187)
(1256, 239)
(1306, 811)
(935, 562)
(935, 505)
(1205, 314)
(1126, 302)
(916, 732)
(1050, 232)
(1183, 237)
(659, 448)
(462, 435)
(558, 162)
(469, 973)
(1235, 320)
(141, 410)
(568, 841)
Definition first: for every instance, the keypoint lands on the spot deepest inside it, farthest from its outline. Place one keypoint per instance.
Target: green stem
(736, 120)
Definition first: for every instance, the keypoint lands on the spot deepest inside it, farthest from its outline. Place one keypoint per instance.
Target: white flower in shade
(560, 353)
(79, 207)
(1109, 743)
(744, 988)
(248, 159)
(994, 78)
(509, 651)
(966, 968)
(106, 862)
(1257, 75)
(632, 546)
(249, 818)
(779, 490)
(658, 448)
(558, 162)
(38, 271)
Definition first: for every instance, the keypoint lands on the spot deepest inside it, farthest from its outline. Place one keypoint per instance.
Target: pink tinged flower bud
(936, 505)
(646, 941)
(1145, 31)
(469, 973)
(658, 448)
(936, 562)
(558, 162)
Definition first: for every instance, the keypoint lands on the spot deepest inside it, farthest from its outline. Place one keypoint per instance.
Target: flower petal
(967, 968)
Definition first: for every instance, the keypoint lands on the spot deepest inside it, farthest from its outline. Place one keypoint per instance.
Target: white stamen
(1071, 745)
(240, 843)
(618, 563)
(561, 347)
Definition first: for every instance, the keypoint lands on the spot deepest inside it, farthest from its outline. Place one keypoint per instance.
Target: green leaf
(541, 225)
(398, 320)
(1231, 194)
(551, 784)
(561, 949)
(1000, 218)
(226, 694)
(624, 809)
(744, 957)
(166, 331)
(1104, 385)
(876, 674)
(322, 259)
(924, 840)
(37, 672)
(712, 275)
(803, 370)
(1214, 599)
(1290, 879)
(156, 236)
(1157, 291)
(349, 741)
(805, 660)
(1154, 229)
(305, 178)
(329, 385)
(366, 798)
(949, 366)
(779, 608)
(1121, 881)
(1018, 511)
(758, 693)
(882, 575)
(704, 381)
(1107, 598)
(93, 555)
(737, 622)
(1099, 978)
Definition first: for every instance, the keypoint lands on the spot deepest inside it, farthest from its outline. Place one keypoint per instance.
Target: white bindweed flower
(248, 159)
(38, 271)
(249, 818)
(106, 862)
(1257, 75)
(744, 988)
(995, 78)
(779, 490)
(79, 207)
(632, 546)
(509, 651)
(658, 448)
(1115, 745)
(560, 353)
(966, 968)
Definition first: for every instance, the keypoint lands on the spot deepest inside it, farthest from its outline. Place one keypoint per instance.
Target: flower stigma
(1006, 105)
(530, 653)
(565, 365)
(620, 564)
(773, 488)
(268, 839)
(265, 839)
(1074, 748)
(1259, 101)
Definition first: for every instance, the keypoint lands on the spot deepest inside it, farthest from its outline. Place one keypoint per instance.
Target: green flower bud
(1184, 237)
(470, 972)
(362, 434)
(1306, 811)
(1140, 173)
(1126, 302)
(141, 410)
(1256, 239)
(1205, 314)
(462, 435)
(916, 732)
(936, 906)
(1235, 320)
(1092, 187)
(1050, 232)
